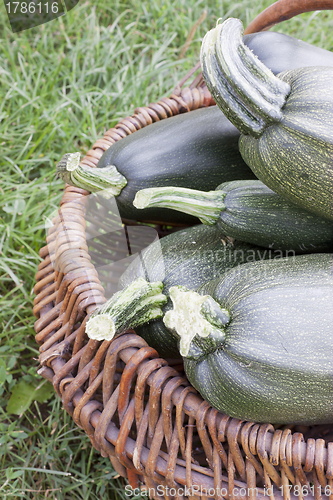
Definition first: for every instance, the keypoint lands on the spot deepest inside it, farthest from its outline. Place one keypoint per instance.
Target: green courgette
(193, 150)
(280, 52)
(286, 121)
(248, 211)
(188, 257)
(257, 344)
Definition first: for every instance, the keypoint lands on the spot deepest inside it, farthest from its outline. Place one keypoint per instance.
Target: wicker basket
(137, 408)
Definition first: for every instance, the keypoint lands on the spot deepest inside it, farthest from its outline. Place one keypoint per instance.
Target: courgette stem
(198, 320)
(207, 206)
(137, 304)
(107, 180)
(247, 92)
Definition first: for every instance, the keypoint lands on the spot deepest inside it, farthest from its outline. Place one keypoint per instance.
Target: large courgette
(248, 211)
(188, 257)
(280, 52)
(193, 150)
(258, 343)
(286, 121)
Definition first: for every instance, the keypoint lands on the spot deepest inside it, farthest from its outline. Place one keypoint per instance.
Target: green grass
(62, 85)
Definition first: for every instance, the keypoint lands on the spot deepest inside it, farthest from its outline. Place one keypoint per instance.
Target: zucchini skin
(189, 258)
(255, 214)
(248, 211)
(286, 121)
(280, 52)
(193, 150)
(275, 364)
(294, 157)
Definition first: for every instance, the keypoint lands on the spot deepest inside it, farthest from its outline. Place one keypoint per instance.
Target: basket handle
(284, 10)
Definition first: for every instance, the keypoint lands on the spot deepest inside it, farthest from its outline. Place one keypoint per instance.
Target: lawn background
(61, 86)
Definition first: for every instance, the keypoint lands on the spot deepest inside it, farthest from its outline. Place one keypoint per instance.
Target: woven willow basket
(137, 408)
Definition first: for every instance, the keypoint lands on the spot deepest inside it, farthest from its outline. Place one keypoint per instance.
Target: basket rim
(62, 306)
(57, 367)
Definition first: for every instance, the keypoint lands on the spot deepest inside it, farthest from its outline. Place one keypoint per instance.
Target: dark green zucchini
(280, 52)
(188, 257)
(257, 344)
(248, 211)
(286, 121)
(193, 150)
